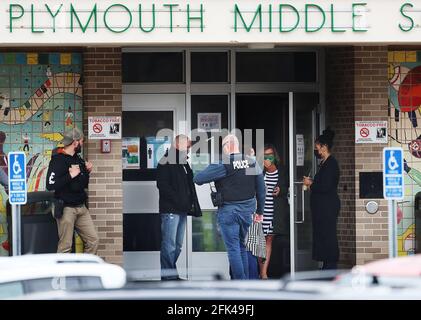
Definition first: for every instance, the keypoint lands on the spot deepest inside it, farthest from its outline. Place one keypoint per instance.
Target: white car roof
(45, 259)
(41, 266)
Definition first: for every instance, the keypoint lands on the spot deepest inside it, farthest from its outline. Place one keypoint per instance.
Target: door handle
(302, 202)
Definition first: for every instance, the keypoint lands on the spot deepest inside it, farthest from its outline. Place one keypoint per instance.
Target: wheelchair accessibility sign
(17, 178)
(393, 167)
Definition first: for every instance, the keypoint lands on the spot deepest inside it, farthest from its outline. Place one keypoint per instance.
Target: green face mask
(270, 158)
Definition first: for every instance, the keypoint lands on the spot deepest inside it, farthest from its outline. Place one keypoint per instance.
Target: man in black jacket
(177, 199)
(68, 176)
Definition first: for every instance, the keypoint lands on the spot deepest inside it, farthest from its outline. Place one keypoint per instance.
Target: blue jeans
(234, 220)
(253, 266)
(173, 227)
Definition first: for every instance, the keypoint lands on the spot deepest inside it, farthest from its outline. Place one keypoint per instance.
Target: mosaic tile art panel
(40, 97)
(405, 132)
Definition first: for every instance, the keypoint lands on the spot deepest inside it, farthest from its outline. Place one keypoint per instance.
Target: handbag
(255, 240)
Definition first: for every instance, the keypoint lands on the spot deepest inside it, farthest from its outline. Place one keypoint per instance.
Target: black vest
(237, 185)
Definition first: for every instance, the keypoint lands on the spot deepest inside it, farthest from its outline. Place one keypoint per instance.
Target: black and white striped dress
(271, 179)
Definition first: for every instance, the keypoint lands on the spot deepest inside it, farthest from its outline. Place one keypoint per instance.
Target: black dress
(325, 206)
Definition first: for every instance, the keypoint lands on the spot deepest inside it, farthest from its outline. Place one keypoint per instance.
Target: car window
(40, 285)
(83, 283)
(19, 288)
(62, 283)
(11, 289)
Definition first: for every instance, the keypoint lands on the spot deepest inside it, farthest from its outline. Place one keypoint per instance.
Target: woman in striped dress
(271, 161)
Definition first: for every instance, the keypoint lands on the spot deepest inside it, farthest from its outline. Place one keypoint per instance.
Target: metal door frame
(292, 131)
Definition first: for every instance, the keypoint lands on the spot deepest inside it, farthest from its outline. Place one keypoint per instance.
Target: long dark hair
(275, 153)
(326, 138)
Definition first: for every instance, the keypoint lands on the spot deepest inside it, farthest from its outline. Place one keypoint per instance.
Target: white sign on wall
(300, 150)
(370, 131)
(209, 121)
(104, 128)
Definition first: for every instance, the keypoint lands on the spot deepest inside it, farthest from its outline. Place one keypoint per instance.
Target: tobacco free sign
(104, 128)
(370, 131)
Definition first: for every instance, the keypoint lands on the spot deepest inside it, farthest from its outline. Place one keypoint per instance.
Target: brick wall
(357, 90)
(340, 117)
(371, 104)
(102, 97)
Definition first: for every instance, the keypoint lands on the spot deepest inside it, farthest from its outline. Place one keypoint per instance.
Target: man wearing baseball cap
(68, 176)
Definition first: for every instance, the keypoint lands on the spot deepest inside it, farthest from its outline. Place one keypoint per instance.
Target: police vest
(237, 185)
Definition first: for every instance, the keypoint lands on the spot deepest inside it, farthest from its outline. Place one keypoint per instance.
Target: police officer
(238, 181)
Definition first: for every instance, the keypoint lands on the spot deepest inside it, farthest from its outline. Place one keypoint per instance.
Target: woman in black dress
(324, 202)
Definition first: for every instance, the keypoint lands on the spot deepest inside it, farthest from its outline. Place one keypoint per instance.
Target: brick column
(371, 104)
(103, 97)
(357, 90)
(340, 117)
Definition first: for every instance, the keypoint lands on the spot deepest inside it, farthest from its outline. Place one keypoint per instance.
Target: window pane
(216, 104)
(206, 235)
(209, 67)
(305, 64)
(208, 113)
(276, 66)
(141, 127)
(153, 67)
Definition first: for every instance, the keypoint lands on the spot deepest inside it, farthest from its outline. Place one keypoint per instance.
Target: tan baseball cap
(71, 135)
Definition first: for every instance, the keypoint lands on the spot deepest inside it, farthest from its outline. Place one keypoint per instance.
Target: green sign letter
(153, 19)
(33, 21)
(195, 18)
(281, 6)
(93, 14)
(171, 6)
(258, 13)
(354, 5)
(308, 6)
(126, 9)
(332, 20)
(12, 17)
(54, 15)
(404, 28)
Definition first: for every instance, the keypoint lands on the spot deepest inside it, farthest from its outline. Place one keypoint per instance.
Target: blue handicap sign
(393, 168)
(17, 178)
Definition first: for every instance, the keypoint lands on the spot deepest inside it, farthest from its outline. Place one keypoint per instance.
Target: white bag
(255, 240)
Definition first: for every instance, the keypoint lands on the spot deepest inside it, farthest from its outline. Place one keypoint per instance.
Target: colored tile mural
(405, 132)
(40, 97)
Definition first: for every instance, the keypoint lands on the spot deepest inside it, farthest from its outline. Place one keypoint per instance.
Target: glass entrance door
(144, 115)
(207, 256)
(303, 128)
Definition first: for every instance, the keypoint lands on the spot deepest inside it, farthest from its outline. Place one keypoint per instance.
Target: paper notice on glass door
(131, 153)
(300, 150)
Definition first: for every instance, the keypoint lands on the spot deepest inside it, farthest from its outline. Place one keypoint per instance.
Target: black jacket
(325, 208)
(71, 191)
(177, 193)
